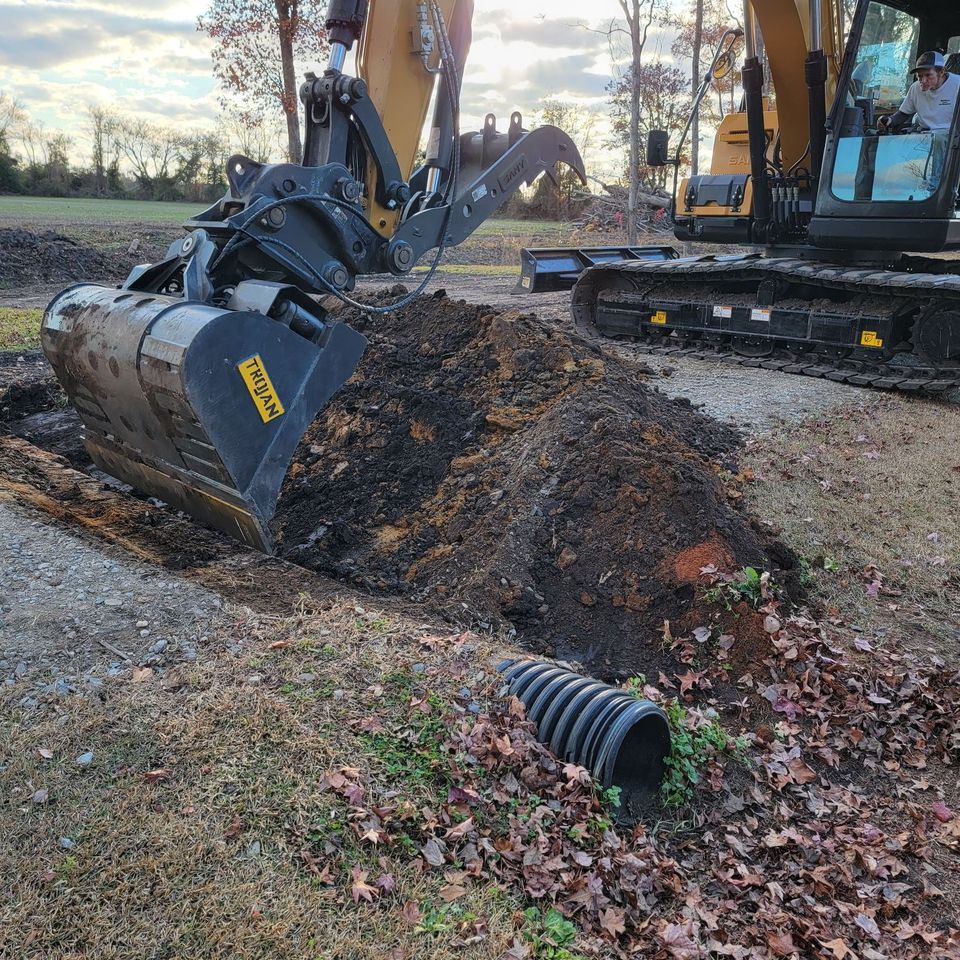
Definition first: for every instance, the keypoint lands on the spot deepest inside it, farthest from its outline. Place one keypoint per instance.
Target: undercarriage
(888, 329)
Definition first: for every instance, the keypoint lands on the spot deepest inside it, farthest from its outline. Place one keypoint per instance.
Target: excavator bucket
(198, 405)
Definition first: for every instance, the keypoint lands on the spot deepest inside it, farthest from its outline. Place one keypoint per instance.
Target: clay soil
(493, 467)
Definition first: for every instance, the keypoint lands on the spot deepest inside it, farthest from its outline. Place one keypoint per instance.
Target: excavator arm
(196, 379)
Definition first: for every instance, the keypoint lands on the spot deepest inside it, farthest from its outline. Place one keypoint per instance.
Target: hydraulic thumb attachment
(196, 380)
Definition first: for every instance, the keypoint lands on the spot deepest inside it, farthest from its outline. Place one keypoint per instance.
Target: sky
(146, 57)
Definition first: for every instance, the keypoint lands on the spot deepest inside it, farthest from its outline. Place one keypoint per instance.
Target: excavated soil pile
(48, 257)
(504, 471)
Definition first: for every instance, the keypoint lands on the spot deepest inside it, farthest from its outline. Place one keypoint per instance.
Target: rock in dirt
(505, 472)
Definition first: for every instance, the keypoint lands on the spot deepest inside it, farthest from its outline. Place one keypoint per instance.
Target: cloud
(574, 76)
(39, 36)
(146, 57)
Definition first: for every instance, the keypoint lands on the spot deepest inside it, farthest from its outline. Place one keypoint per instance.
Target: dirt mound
(27, 385)
(507, 472)
(48, 257)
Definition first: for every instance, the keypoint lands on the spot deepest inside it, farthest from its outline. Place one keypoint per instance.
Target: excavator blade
(544, 269)
(197, 405)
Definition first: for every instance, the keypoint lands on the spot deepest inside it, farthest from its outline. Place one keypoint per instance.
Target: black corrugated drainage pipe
(623, 741)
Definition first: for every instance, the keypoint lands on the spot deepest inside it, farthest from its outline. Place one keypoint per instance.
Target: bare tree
(258, 141)
(639, 15)
(665, 105)
(102, 126)
(31, 138)
(151, 152)
(581, 124)
(11, 113)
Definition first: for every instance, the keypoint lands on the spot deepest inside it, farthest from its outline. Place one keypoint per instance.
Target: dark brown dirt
(49, 256)
(27, 385)
(505, 473)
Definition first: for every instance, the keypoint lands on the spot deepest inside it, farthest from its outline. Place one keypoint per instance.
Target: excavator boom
(196, 380)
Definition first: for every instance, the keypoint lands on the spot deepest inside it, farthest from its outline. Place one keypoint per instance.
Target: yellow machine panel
(390, 61)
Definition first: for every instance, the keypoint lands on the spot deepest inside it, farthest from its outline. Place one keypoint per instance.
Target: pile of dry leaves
(825, 834)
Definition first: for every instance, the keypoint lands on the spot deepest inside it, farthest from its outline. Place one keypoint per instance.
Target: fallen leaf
(312, 863)
(800, 772)
(359, 888)
(451, 892)
(781, 944)
(868, 925)
(942, 812)
(838, 948)
(460, 830)
(432, 853)
(612, 921)
(410, 912)
(155, 776)
(237, 826)
(142, 674)
(45, 753)
(40, 796)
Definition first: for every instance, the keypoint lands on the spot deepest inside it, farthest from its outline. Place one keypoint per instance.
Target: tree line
(255, 46)
(120, 156)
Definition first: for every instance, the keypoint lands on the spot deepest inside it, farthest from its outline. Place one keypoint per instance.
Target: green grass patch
(549, 934)
(92, 211)
(19, 328)
(747, 586)
(522, 227)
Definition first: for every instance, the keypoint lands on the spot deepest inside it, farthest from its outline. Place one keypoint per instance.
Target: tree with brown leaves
(256, 44)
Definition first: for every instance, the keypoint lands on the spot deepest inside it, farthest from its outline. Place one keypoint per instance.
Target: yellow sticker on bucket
(659, 317)
(261, 388)
(869, 338)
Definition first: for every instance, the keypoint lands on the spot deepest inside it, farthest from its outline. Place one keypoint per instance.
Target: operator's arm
(894, 121)
(904, 114)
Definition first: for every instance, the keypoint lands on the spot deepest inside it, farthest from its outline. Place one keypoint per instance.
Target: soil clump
(508, 473)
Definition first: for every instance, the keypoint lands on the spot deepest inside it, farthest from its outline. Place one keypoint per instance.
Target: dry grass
(206, 861)
(874, 486)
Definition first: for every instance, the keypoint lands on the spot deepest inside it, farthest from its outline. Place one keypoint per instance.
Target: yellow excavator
(848, 203)
(196, 379)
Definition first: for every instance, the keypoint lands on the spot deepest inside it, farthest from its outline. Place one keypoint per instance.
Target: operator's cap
(931, 60)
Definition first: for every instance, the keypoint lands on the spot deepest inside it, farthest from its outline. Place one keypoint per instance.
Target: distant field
(55, 210)
(28, 210)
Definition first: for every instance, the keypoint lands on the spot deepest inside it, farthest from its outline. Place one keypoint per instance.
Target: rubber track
(885, 376)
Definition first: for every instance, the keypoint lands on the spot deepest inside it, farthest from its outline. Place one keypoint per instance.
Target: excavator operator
(931, 97)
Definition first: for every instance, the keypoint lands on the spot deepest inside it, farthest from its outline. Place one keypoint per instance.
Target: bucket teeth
(197, 405)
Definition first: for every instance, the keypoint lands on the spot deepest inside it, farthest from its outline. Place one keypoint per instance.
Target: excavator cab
(838, 211)
(898, 188)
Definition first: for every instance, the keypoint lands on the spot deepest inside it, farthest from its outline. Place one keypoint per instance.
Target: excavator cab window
(897, 168)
